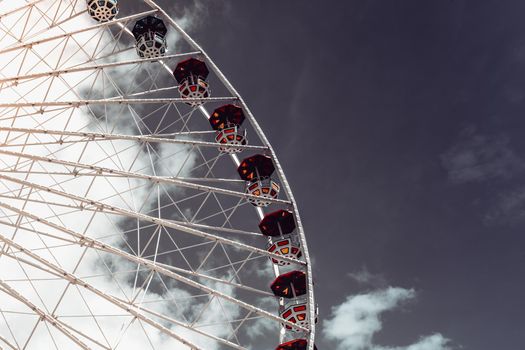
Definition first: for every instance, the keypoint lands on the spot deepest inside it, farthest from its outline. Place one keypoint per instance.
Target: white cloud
(354, 323)
(432, 342)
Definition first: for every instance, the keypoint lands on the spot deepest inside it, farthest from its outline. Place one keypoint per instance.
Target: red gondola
(191, 75)
(257, 171)
(290, 285)
(257, 166)
(227, 121)
(295, 312)
(287, 246)
(225, 116)
(190, 67)
(296, 344)
(278, 223)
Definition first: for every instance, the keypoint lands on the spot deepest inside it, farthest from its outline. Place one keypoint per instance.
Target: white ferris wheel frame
(90, 204)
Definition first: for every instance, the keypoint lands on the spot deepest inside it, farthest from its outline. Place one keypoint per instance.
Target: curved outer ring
(284, 182)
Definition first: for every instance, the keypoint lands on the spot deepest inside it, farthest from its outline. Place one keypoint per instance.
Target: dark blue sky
(400, 127)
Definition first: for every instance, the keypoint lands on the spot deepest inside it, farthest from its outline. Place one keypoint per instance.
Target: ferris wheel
(141, 205)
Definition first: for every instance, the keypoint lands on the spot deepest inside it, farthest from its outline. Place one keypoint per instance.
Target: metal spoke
(97, 137)
(30, 45)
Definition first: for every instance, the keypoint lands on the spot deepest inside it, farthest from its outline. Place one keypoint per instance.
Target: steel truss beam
(90, 136)
(115, 101)
(58, 72)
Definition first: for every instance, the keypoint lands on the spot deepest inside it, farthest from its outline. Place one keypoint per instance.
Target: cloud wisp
(477, 157)
(367, 278)
(480, 158)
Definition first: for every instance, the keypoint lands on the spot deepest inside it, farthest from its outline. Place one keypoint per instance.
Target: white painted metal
(105, 187)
